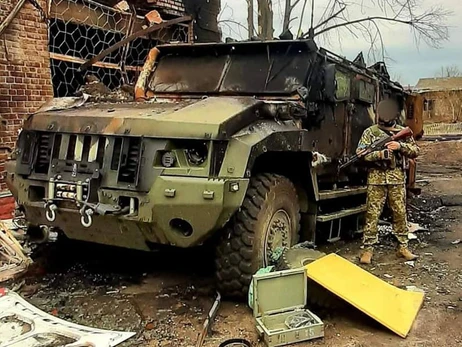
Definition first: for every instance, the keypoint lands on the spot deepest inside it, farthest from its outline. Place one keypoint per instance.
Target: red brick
(19, 98)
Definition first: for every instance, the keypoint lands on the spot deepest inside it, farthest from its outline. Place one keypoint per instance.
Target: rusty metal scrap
(207, 327)
(140, 87)
(132, 37)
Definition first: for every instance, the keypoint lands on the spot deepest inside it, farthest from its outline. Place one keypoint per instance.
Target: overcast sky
(408, 61)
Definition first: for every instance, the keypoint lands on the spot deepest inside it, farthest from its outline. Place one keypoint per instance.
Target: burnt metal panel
(182, 74)
(277, 70)
(271, 67)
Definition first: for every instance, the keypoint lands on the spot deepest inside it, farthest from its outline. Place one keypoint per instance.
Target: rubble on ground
(13, 260)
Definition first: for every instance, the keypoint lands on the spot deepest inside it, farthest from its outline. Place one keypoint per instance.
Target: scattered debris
(153, 17)
(410, 263)
(412, 236)
(22, 324)
(388, 276)
(456, 242)
(64, 103)
(414, 289)
(207, 327)
(122, 6)
(414, 227)
(13, 260)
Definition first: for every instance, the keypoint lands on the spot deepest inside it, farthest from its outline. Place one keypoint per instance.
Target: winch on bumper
(180, 211)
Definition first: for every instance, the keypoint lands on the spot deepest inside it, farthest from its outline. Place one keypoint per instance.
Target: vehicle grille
(73, 154)
(130, 161)
(43, 153)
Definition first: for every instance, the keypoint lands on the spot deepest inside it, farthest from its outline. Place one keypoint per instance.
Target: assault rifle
(377, 145)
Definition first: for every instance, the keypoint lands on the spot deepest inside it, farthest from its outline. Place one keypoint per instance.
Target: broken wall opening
(80, 29)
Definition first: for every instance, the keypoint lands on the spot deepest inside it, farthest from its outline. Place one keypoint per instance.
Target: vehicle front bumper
(205, 204)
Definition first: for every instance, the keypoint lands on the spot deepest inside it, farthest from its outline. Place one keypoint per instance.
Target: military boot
(366, 257)
(405, 253)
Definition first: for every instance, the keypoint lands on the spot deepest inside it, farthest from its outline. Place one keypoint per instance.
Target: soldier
(386, 179)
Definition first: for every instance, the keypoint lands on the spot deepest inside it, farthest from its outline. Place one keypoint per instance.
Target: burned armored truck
(235, 145)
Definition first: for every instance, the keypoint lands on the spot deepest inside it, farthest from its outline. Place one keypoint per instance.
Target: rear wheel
(268, 220)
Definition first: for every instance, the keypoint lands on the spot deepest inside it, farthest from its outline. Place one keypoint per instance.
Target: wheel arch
(296, 166)
(280, 148)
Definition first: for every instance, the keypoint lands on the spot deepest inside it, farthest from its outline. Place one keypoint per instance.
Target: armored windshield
(274, 67)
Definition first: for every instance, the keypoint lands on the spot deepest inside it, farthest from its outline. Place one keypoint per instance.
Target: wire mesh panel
(81, 29)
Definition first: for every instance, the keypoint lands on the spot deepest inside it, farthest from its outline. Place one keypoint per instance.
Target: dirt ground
(164, 296)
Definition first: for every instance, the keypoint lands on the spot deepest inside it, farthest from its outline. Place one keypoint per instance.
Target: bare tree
(449, 71)
(451, 104)
(233, 27)
(428, 24)
(288, 9)
(340, 17)
(250, 23)
(265, 19)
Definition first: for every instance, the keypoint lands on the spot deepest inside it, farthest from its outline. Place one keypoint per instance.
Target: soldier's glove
(385, 154)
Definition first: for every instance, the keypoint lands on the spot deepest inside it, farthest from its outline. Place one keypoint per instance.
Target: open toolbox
(279, 300)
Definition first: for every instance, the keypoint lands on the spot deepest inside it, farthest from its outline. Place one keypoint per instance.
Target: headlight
(197, 154)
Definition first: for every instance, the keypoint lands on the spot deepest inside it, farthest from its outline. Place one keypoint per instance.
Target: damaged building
(442, 98)
(44, 43)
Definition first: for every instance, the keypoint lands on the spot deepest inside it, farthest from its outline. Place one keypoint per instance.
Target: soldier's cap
(388, 110)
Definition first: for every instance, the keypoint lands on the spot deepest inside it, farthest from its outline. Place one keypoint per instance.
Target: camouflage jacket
(387, 171)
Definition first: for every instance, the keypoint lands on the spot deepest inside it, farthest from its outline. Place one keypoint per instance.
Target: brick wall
(174, 7)
(25, 78)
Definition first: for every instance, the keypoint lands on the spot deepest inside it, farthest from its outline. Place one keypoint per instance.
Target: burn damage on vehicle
(175, 169)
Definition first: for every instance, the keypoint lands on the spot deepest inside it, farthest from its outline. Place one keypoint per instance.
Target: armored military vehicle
(234, 144)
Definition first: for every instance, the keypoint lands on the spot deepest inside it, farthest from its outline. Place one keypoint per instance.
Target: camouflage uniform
(386, 179)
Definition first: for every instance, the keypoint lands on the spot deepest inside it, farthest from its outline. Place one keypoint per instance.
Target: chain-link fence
(81, 29)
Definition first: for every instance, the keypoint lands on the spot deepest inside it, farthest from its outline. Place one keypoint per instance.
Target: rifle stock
(377, 145)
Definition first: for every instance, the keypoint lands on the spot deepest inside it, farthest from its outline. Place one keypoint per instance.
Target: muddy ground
(164, 297)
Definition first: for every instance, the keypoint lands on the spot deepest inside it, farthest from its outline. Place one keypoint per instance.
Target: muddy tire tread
(234, 267)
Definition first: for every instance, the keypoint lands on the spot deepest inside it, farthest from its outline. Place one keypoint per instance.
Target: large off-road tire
(317, 296)
(268, 219)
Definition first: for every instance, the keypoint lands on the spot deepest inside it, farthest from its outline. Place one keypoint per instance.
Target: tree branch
(324, 22)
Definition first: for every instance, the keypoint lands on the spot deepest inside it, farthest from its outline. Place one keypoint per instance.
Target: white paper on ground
(24, 325)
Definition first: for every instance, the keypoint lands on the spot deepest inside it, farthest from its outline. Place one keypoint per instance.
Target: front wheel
(268, 221)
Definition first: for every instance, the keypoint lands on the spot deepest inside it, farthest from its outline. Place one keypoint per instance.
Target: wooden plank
(132, 37)
(70, 59)
(11, 16)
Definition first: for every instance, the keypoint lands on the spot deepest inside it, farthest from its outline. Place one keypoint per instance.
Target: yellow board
(393, 307)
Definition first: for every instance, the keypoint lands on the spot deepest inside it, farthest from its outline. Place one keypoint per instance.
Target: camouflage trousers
(376, 197)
